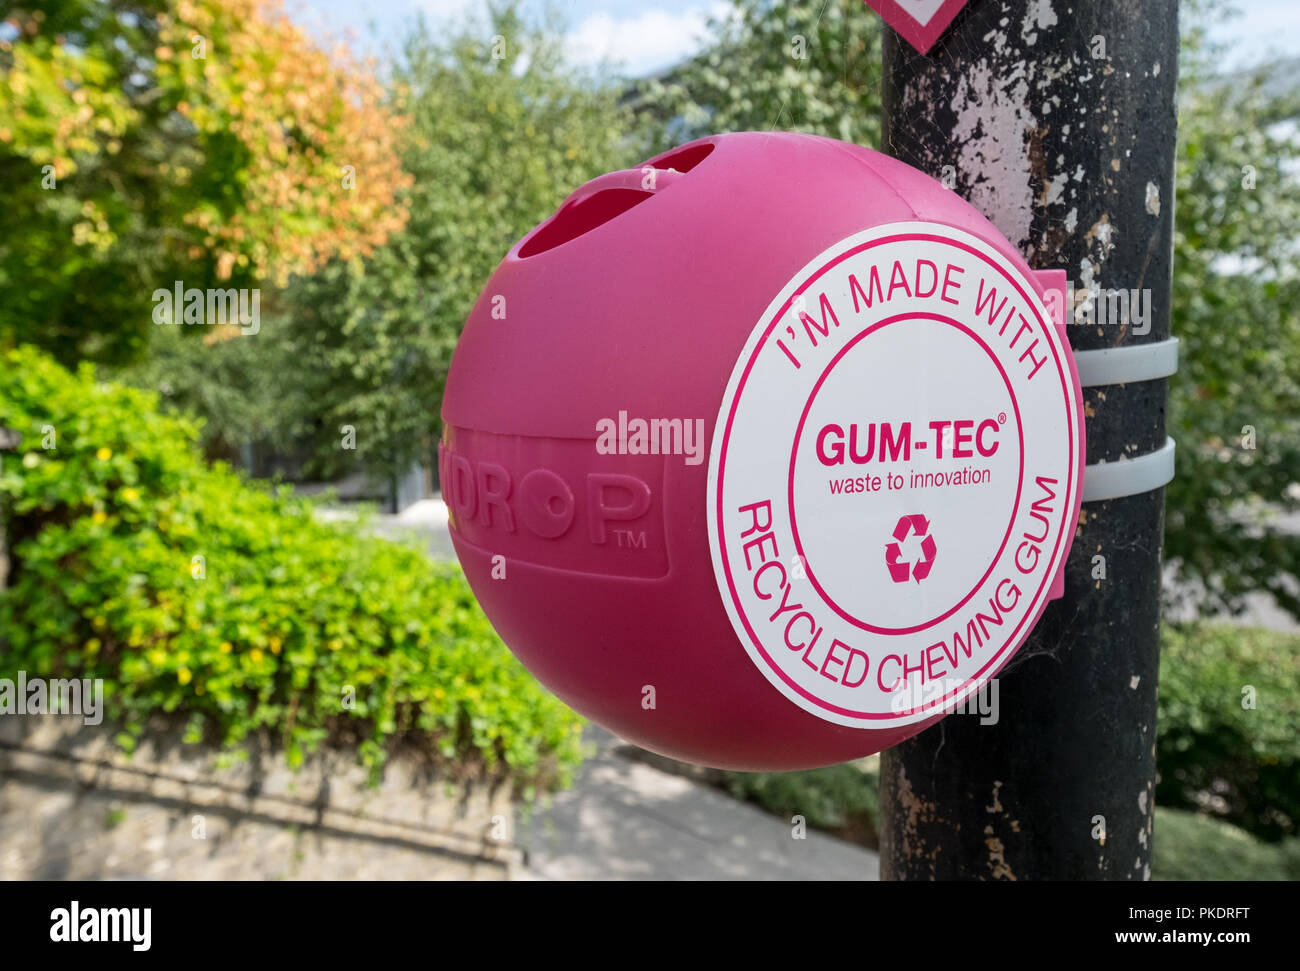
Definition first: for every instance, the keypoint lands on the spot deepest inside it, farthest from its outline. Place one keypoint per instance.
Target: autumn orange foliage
(322, 176)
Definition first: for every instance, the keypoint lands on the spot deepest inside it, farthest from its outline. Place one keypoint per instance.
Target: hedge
(1229, 726)
(196, 593)
(1190, 846)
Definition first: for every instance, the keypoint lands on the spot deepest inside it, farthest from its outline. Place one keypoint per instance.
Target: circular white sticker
(893, 472)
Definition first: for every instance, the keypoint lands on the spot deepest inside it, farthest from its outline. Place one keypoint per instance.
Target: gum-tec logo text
(893, 475)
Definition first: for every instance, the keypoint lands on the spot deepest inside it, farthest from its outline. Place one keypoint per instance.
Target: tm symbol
(627, 539)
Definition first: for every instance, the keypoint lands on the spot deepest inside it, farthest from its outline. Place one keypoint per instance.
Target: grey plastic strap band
(1129, 477)
(1126, 365)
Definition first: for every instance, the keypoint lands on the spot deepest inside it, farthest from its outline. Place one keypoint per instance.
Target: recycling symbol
(900, 569)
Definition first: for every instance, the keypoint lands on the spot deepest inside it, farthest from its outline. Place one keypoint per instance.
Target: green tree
(232, 386)
(146, 141)
(1235, 403)
(776, 65)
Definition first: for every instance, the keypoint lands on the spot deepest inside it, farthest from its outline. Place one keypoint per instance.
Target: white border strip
(1125, 365)
(1129, 477)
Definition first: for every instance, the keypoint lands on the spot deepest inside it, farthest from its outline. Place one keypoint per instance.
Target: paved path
(624, 820)
(424, 522)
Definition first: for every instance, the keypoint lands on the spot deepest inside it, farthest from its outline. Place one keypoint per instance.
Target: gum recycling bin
(765, 454)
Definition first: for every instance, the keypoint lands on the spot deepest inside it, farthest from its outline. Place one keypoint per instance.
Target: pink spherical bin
(765, 454)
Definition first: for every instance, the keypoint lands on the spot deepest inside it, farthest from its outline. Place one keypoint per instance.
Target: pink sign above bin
(919, 22)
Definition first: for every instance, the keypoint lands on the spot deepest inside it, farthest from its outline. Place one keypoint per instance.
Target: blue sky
(644, 35)
(639, 36)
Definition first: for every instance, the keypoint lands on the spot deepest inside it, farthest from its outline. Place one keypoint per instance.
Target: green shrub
(1216, 755)
(192, 591)
(1189, 846)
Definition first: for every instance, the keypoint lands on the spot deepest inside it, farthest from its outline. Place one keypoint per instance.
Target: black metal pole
(1056, 118)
